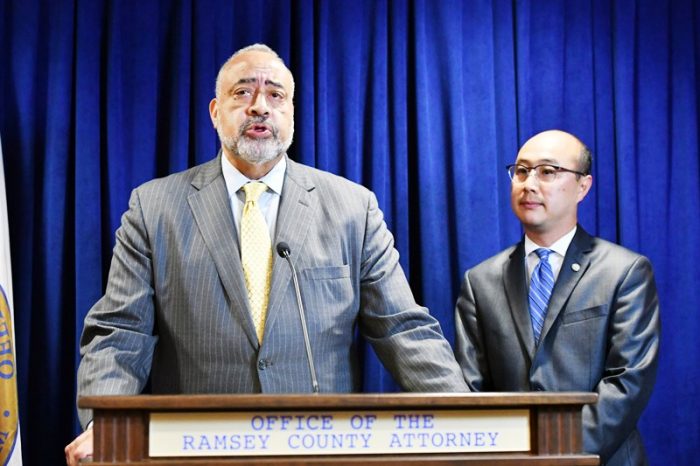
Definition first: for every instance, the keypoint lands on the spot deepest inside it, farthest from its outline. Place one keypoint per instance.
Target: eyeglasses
(544, 173)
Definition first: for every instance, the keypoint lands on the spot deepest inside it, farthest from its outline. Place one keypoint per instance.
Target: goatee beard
(255, 151)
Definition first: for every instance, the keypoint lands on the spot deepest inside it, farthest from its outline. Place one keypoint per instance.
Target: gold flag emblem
(8, 383)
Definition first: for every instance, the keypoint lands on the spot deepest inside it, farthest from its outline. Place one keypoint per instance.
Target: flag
(10, 442)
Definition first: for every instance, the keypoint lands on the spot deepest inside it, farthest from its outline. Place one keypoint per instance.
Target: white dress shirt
(556, 259)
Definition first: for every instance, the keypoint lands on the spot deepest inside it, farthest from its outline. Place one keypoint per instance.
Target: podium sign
(297, 429)
(338, 432)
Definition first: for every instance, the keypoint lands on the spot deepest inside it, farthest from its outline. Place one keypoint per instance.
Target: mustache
(530, 199)
(258, 120)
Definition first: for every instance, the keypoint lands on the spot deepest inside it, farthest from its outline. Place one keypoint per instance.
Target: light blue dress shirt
(269, 201)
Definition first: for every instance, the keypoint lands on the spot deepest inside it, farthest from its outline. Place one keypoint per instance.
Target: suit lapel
(515, 285)
(211, 210)
(293, 220)
(575, 264)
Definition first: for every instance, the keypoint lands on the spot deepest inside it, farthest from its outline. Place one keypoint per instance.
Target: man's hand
(79, 448)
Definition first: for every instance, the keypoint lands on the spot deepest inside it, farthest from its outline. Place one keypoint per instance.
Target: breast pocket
(585, 314)
(327, 273)
(330, 299)
(580, 356)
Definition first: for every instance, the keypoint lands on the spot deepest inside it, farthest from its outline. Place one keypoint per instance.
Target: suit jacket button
(262, 364)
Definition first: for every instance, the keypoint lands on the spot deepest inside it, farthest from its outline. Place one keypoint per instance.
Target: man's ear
(584, 186)
(213, 111)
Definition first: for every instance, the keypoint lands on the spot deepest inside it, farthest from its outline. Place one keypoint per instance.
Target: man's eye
(277, 95)
(242, 92)
(547, 170)
(521, 171)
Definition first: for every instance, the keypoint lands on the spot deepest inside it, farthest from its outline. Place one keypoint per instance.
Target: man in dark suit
(561, 310)
(197, 299)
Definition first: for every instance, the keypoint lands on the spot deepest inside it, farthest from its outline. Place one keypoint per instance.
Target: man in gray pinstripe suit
(176, 311)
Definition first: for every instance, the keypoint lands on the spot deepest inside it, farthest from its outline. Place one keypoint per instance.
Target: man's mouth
(258, 130)
(530, 204)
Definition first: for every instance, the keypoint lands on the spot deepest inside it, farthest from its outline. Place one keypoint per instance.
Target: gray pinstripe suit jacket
(601, 334)
(176, 312)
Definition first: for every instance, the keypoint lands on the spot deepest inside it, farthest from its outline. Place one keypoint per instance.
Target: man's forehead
(533, 158)
(259, 66)
(550, 148)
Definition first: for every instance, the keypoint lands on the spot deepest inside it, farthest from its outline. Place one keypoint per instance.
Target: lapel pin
(575, 267)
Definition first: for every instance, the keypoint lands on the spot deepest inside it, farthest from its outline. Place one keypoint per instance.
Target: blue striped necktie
(541, 284)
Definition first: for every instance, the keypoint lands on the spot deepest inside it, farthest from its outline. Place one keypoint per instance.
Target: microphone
(284, 252)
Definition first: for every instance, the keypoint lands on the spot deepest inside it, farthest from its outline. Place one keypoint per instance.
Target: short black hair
(585, 159)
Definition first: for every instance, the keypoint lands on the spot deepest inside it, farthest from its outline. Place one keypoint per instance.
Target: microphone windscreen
(283, 249)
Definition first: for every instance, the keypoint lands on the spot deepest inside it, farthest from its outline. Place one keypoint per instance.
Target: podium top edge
(337, 401)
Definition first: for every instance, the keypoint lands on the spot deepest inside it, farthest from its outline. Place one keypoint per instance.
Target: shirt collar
(235, 180)
(560, 246)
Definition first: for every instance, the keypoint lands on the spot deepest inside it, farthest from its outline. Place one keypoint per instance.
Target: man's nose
(258, 106)
(531, 182)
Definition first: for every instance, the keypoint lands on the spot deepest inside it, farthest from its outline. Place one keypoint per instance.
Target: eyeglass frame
(557, 170)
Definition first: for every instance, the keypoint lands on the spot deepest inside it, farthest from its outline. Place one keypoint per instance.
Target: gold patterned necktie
(256, 255)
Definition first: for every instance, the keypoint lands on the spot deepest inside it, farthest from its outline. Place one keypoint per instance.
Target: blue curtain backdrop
(422, 101)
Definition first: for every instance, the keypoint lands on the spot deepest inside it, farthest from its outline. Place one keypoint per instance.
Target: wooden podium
(123, 424)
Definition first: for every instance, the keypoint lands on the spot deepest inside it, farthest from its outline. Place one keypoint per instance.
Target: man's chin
(258, 154)
(530, 220)
(263, 161)
(259, 160)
